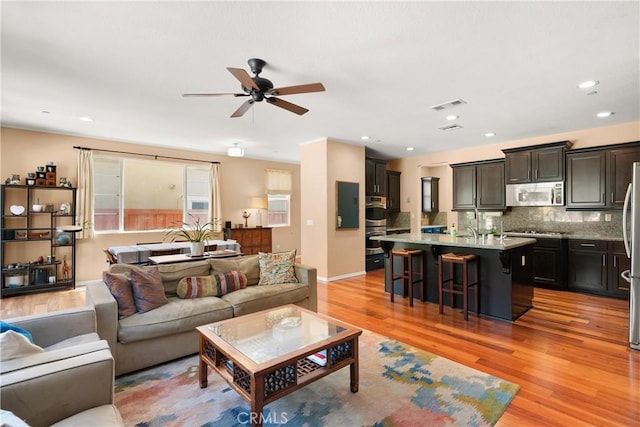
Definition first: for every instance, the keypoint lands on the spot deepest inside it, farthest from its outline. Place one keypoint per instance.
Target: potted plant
(194, 232)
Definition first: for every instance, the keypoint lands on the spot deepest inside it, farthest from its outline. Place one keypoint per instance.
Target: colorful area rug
(399, 386)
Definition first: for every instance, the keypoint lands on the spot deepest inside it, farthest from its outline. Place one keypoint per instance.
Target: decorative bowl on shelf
(16, 209)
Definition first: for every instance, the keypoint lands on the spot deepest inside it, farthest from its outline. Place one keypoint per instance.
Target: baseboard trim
(342, 276)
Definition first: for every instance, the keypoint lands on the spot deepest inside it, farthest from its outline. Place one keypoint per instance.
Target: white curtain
(215, 210)
(84, 199)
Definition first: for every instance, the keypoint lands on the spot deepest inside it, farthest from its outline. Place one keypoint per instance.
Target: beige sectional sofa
(70, 383)
(168, 332)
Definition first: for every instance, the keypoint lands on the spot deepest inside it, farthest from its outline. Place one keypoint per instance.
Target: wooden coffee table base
(275, 380)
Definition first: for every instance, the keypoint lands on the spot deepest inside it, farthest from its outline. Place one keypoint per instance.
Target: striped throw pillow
(214, 285)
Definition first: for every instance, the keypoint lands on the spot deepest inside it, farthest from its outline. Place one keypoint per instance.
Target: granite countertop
(459, 241)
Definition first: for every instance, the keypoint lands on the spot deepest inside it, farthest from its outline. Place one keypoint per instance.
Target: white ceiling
(384, 65)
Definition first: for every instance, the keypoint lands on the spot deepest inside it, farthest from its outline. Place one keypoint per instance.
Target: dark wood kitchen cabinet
(588, 266)
(430, 194)
(595, 267)
(550, 263)
(393, 191)
(375, 173)
(619, 262)
(479, 185)
(598, 178)
(540, 163)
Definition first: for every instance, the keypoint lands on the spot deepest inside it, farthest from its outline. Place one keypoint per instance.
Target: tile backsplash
(548, 218)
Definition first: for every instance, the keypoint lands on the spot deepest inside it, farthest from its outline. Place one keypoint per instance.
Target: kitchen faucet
(476, 230)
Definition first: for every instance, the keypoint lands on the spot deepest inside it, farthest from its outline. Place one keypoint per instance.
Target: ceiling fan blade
(243, 108)
(244, 78)
(290, 90)
(190, 95)
(287, 105)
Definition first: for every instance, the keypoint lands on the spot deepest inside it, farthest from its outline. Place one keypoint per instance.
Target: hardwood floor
(569, 354)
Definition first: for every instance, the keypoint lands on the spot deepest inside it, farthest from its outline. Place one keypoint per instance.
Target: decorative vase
(197, 248)
(63, 239)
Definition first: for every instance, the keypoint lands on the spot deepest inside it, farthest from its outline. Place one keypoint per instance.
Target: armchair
(73, 377)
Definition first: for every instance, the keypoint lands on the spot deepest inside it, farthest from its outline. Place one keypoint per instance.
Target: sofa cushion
(172, 273)
(256, 298)
(247, 264)
(215, 285)
(14, 345)
(77, 340)
(277, 267)
(148, 292)
(179, 315)
(119, 285)
(105, 415)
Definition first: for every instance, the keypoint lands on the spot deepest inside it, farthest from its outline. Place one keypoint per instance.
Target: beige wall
(241, 179)
(436, 164)
(335, 253)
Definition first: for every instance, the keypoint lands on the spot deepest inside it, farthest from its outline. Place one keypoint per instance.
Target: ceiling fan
(260, 89)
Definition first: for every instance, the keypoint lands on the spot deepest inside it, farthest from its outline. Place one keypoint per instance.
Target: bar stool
(462, 288)
(408, 276)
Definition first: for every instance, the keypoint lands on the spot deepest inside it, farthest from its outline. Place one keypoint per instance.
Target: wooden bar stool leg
(393, 280)
(476, 288)
(440, 296)
(410, 280)
(465, 290)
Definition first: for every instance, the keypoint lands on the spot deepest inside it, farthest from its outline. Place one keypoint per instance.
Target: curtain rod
(155, 156)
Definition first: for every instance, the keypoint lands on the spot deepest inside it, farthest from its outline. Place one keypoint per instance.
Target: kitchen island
(506, 269)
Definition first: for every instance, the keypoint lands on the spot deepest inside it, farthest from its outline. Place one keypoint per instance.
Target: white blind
(279, 181)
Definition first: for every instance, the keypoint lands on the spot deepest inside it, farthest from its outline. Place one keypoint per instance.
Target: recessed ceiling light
(86, 119)
(489, 134)
(451, 117)
(409, 148)
(604, 114)
(365, 137)
(587, 84)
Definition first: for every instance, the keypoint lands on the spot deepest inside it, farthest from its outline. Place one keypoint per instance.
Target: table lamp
(259, 203)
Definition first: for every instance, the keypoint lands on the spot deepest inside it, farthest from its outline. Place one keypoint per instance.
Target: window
(279, 189)
(278, 208)
(137, 195)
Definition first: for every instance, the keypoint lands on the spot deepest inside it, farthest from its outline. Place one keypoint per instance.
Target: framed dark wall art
(348, 206)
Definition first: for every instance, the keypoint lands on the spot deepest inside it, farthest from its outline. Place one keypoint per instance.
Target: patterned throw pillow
(120, 287)
(215, 285)
(277, 268)
(148, 292)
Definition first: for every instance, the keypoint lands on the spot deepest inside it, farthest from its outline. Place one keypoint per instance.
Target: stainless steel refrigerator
(631, 235)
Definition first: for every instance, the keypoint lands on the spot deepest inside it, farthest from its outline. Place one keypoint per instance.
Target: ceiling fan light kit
(260, 89)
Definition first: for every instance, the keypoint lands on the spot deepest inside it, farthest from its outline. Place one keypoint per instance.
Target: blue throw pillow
(4, 327)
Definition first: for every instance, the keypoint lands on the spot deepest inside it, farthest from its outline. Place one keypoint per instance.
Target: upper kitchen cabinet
(375, 172)
(597, 178)
(539, 163)
(393, 191)
(430, 185)
(479, 185)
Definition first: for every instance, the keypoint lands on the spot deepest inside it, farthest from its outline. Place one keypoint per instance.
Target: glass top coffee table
(267, 355)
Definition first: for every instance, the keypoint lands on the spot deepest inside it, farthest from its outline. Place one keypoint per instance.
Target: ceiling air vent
(450, 127)
(450, 104)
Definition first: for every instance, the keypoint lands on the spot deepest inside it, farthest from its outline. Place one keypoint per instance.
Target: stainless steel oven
(375, 208)
(373, 246)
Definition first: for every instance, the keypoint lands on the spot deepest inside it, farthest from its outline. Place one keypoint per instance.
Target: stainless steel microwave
(536, 194)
